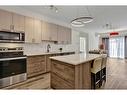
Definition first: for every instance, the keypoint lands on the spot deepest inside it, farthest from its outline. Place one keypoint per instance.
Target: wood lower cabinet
(36, 65)
(68, 76)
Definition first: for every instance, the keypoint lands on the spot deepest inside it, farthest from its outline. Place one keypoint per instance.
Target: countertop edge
(53, 58)
(28, 55)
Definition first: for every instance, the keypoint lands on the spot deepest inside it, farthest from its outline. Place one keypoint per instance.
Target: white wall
(93, 41)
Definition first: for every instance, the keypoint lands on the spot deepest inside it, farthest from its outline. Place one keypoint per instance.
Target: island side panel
(83, 76)
(78, 76)
(87, 75)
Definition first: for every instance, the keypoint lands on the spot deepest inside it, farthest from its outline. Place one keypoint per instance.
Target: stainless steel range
(12, 66)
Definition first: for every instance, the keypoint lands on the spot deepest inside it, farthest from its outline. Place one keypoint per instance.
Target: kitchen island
(72, 71)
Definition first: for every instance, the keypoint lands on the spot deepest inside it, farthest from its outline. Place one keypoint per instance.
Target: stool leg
(105, 74)
(100, 78)
(93, 81)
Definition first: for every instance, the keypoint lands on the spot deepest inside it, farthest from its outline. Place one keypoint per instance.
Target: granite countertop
(47, 53)
(76, 59)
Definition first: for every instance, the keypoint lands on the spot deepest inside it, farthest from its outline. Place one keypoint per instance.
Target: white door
(83, 44)
(116, 47)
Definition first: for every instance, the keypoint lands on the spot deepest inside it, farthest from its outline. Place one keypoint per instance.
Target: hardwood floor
(116, 74)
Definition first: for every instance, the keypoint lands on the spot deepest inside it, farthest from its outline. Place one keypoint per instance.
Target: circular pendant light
(77, 23)
(81, 21)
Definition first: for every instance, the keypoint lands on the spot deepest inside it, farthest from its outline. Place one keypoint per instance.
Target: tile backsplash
(42, 47)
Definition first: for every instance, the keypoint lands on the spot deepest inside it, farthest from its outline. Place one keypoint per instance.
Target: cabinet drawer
(36, 58)
(64, 71)
(59, 83)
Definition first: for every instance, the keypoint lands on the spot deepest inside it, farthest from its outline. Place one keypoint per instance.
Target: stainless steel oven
(12, 67)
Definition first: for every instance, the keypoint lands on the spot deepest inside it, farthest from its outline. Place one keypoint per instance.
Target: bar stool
(96, 73)
(103, 69)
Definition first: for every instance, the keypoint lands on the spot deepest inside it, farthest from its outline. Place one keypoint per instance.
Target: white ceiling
(116, 15)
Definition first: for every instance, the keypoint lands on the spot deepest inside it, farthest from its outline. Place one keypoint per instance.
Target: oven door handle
(15, 58)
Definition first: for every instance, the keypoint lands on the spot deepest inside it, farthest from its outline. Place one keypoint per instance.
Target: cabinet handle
(11, 27)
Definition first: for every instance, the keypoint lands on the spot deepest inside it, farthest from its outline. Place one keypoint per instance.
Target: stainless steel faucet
(48, 47)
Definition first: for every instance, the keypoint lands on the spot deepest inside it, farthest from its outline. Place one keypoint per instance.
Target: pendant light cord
(89, 14)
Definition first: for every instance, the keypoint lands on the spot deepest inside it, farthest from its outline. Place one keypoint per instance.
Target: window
(116, 47)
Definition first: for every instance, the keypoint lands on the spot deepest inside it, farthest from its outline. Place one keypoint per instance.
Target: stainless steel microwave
(8, 36)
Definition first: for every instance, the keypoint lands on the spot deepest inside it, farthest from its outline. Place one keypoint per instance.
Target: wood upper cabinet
(61, 34)
(53, 32)
(64, 35)
(32, 30)
(19, 22)
(29, 29)
(49, 31)
(45, 32)
(68, 36)
(5, 20)
(37, 31)
(11, 21)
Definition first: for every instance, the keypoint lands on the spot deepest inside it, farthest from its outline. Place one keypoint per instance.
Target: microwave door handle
(20, 37)
(15, 58)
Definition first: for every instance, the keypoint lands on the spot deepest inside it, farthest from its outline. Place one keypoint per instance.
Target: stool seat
(96, 73)
(96, 65)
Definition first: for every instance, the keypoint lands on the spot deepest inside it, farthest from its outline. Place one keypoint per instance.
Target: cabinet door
(62, 34)
(37, 31)
(18, 22)
(53, 32)
(68, 36)
(29, 29)
(45, 31)
(5, 20)
(49, 31)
